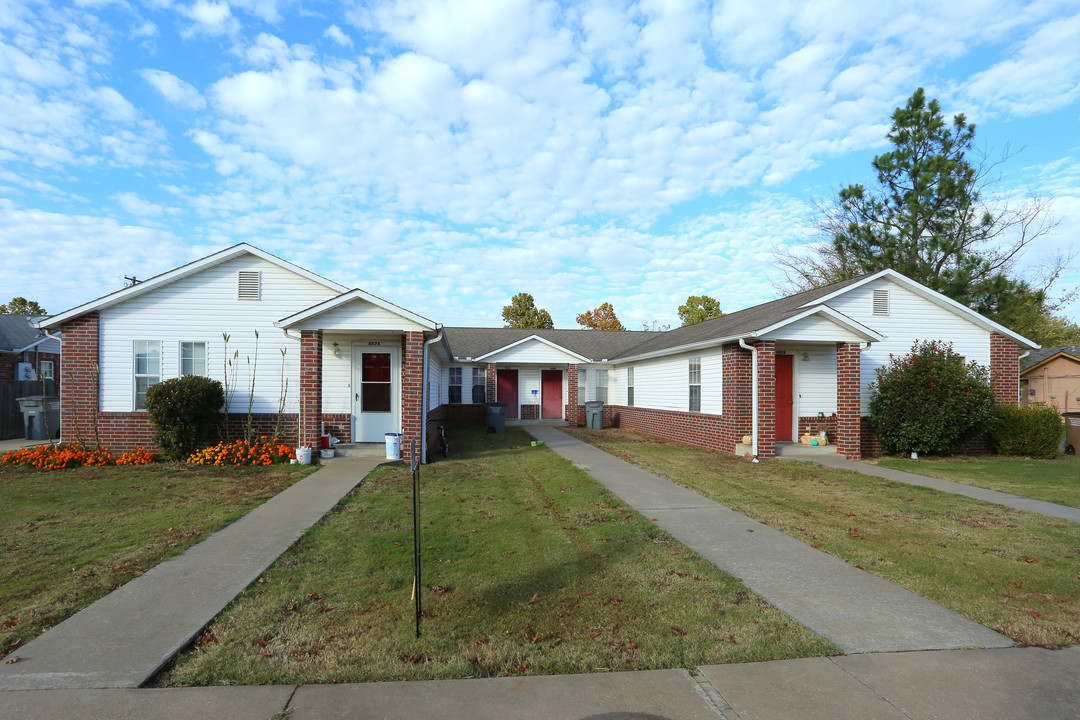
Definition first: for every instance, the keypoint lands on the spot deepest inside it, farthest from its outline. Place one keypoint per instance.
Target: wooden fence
(11, 418)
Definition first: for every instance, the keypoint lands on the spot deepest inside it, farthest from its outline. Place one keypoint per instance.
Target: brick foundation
(809, 424)
(530, 412)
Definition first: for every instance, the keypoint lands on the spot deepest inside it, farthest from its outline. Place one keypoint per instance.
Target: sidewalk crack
(712, 696)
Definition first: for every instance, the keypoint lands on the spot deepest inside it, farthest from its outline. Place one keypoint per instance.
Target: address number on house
(374, 343)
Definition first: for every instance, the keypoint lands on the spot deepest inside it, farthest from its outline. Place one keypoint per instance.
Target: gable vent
(249, 285)
(881, 302)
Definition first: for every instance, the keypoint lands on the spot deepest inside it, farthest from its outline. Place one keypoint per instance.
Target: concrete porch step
(360, 450)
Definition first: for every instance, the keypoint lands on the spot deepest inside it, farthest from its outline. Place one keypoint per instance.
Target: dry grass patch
(71, 536)
(530, 567)
(1013, 571)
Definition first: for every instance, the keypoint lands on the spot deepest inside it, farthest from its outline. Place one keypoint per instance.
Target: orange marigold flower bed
(138, 456)
(264, 451)
(58, 457)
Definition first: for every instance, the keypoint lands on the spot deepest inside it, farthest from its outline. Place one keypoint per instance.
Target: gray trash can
(496, 417)
(35, 410)
(594, 414)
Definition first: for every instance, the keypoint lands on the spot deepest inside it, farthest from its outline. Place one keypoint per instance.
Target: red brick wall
(848, 400)
(1005, 369)
(412, 390)
(9, 363)
(79, 395)
(809, 424)
(766, 399)
(310, 387)
(694, 428)
(339, 425)
(530, 412)
(574, 413)
(489, 380)
(738, 383)
(869, 444)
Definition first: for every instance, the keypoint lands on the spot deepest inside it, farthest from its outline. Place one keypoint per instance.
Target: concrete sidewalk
(124, 638)
(908, 478)
(1011, 684)
(856, 611)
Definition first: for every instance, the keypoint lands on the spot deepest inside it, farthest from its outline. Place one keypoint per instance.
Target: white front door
(376, 390)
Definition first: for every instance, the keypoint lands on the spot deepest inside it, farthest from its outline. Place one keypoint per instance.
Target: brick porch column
(737, 384)
(766, 445)
(489, 379)
(80, 393)
(310, 387)
(571, 412)
(412, 391)
(849, 400)
(1005, 369)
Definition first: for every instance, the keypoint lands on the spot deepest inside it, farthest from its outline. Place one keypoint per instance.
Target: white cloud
(175, 90)
(337, 35)
(210, 18)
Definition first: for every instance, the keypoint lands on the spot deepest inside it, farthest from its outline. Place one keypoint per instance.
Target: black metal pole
(416, 532)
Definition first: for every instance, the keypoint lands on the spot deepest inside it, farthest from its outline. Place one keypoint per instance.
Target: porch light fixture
(806, 357)
(337, 351)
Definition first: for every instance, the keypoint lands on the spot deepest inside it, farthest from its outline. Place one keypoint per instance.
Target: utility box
(496, 417)
(594, 414)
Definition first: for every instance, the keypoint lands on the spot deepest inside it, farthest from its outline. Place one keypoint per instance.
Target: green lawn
(1056, 481)
(1015, 572)
(70, 536)
(530, 567)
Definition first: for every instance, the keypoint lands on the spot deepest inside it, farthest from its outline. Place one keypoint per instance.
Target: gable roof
(770, 316)
(472, 343)
(18, 334)
(191, 268)
(348, 297)
(1045, 355)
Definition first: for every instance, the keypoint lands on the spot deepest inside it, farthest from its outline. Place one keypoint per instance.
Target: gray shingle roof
(741, 322)
(598, 345)
(473, 342)
(16, 333)
(1037, 356)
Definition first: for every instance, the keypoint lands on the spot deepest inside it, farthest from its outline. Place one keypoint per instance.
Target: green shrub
(185, 413)
(1032, 431)
(930, 401)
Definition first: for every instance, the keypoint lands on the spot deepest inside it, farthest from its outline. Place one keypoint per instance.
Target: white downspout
(1019, 398)
(424, 398)
(754, 397)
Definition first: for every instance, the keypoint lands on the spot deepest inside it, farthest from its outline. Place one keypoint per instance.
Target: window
(881, 302)
(455, 385)
(147, 369)
(583, 385)
(601, 385)
(192, 358)
(695, 384)
(479, 386)
(45, 370)
(249, 285)
(630, 387)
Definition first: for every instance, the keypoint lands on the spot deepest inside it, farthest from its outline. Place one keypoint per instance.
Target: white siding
(532, 351)
(664, 383)
(359, 315)
(199, 309)
(466, 383)
(338, 371)
(434, 381)
(911, 317)
(814, 328)
(815, 379)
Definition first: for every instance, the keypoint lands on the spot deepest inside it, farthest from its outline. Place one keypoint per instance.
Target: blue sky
(446, 156)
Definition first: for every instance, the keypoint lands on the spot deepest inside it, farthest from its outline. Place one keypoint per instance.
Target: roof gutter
(424, 397)
(754, 398)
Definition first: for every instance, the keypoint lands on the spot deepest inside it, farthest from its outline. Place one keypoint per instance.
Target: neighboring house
(25, 352)
(1051, 376)
(360, 366)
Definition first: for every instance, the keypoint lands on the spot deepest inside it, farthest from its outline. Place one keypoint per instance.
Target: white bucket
(303, 455)
(326, 454)
(393, 446)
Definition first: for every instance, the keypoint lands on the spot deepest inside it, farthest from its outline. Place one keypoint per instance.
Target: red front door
(551, 405)
(785, 397)
(506, 391)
